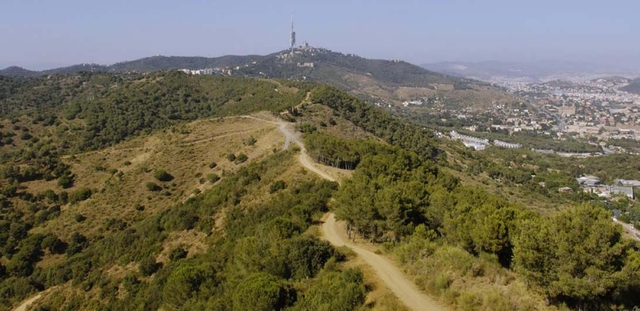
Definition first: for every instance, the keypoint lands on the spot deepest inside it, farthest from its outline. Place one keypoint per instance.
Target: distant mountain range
(529, 72)
(390, 81)
(273, 65)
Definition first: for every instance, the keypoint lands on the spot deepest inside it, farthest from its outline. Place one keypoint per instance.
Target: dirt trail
(25, 304)
(394, 279)
(303, 158)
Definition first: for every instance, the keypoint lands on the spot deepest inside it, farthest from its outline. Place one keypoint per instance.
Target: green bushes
(307, 256)
(162, 175)
(341, 153)
(80, 195)
(250, 141)
(148, 266)
(260, 292)
(213, 177)
(177, 254)
(65, 181)
(377, 121)
(334, 290)
(151, 186)
(79, 218)
(578, 256)
(241, 158)
(183, 284)
(277, 186)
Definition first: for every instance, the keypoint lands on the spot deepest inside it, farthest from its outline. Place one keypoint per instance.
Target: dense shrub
(80, 195)
(277, 186)
(151, 186)
(241, 158)
(213, 177)
(162, 175)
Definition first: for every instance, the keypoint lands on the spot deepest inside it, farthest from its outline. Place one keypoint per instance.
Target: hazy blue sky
(42, 34)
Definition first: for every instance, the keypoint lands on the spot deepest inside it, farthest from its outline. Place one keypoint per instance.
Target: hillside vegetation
(123, 192)
(143, 65)
(91, 223)
(113, 107)
(391, 81)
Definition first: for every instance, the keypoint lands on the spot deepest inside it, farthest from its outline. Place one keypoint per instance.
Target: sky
(46, 34)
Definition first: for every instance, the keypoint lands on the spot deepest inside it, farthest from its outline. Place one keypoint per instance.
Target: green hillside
(113, 107)
(156, 63)
(147, 64)
(150, 191)
(372, 79)
(333, 65)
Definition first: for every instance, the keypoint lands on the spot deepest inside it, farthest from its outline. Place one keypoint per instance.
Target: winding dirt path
(393, 278)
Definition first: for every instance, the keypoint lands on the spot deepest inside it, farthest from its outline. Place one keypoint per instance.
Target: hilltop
(390, 81)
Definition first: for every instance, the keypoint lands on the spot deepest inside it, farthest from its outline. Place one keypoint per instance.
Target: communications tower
(293, 35)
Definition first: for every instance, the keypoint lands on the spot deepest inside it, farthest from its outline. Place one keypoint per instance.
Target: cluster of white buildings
(504, 144)
(207, 71)
(479, 143)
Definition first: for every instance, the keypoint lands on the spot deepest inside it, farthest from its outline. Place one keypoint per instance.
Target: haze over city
(39, 35)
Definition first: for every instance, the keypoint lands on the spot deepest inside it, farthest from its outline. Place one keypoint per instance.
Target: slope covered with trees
(576, 257)
(376, 121)
(113, 107)
(143, 65)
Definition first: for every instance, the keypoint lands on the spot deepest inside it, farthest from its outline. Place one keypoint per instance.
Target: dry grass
(185, 152)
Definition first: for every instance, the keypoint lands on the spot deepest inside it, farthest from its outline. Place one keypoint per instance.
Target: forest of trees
(576, 257)
(116, 106)
(339, 152)
(377, 121)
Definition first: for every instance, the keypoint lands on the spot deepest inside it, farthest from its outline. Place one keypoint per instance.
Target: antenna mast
(293, 35)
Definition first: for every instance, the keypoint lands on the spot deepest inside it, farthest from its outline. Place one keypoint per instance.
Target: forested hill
(106, 108)
(15, 71)
(633, 87)
(147, 64)
(156, 63)
(388, 81)
(329, 67)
